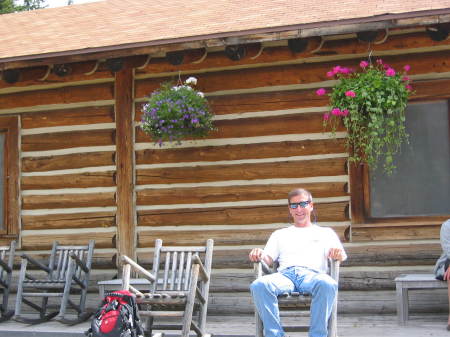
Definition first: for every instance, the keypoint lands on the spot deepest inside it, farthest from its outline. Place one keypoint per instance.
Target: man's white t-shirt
(303, 247)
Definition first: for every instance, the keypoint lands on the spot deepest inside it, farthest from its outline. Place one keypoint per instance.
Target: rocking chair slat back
(68, 271)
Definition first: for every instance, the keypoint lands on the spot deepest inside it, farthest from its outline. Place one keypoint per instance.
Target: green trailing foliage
(371, 104)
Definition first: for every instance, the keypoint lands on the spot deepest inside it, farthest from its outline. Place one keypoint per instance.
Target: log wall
(230, 186)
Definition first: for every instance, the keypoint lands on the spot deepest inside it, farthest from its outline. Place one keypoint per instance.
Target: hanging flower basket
(371, 104)
(174, 113)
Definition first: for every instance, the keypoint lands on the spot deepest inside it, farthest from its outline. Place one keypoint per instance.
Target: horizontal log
(295, 99)
(80, 180)
(239, 152)
(64, 95)
(68, 200)
(335, 211)
(405, 231)
(260, 126)
(348, 46)
(349, 278)
(306, 73)
(67, 161)
(350, 302)
(76, 220)
(64, 140)
(196, 195)
(225, 237)
(45, 241)
(285, 169)
(77, 116)
(263, 101)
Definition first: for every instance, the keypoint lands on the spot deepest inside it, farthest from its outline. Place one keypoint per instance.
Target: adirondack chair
(67, 273)
(179, 289)
(297, 300)
(6, 267)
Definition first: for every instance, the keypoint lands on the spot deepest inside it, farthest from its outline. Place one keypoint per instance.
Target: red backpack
(117, 317)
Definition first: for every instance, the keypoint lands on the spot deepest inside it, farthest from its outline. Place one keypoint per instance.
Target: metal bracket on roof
(145, 64)
(383, 40)
(49, 70)
(201, 59)
(93, 69)
(261, 48)
(322, 41)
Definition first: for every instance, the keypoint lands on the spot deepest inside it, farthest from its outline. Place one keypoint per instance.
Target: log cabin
(76, 164)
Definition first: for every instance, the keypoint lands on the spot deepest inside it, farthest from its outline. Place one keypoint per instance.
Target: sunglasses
(302, 204)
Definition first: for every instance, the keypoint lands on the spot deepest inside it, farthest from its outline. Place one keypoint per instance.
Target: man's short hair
(299, 191)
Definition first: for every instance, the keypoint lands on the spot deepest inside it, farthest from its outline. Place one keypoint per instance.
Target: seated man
(301, 251)
(441, 269)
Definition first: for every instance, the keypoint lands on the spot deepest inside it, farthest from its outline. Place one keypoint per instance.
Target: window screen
(420, 185)
(2, 179)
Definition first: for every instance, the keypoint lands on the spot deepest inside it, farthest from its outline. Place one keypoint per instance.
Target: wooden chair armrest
(261, 268)
(334, 269)
(127, 261)
(36, 263)
(203, 273)
(80, 263)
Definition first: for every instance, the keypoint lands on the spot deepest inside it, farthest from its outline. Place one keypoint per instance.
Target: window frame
(11, 216)
(360, 192)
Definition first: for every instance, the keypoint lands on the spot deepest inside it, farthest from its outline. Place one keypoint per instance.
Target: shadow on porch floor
(425, 325)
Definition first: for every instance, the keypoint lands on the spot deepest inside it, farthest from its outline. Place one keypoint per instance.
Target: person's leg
(447, 265)
(265, 291)
(323, 290)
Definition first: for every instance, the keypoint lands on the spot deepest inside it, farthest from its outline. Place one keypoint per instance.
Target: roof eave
(423, 18)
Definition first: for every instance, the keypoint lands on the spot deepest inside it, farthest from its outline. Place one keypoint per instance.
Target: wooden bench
(405, 282)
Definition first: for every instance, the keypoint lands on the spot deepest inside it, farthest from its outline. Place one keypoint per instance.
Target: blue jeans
(321, 286)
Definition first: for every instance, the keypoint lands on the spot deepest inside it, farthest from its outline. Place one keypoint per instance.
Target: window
(9, 176)
(420, 187)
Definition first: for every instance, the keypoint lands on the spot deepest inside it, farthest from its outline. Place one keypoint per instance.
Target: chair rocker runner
(180, 289)
(6, 267)
(66, 274)
(298, 300)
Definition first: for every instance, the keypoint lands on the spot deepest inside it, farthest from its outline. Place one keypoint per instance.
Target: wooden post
(124, 111)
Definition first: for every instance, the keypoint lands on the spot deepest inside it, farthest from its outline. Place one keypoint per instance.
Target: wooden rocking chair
(67, 273)
(6, 267)
(297, 300)
(179, 290)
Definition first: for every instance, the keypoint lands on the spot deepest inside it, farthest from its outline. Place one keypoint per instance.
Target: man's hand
(336, 254)
(447, 274)
(256, 255)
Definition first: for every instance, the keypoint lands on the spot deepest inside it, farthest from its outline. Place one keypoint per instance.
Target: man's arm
(257, 254)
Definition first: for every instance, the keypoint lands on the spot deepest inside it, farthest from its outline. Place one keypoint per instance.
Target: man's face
(301, 215)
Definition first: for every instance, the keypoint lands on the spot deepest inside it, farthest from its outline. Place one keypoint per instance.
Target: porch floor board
(423, 325)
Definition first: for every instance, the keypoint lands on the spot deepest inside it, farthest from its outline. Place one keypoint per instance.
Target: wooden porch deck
(423, 325)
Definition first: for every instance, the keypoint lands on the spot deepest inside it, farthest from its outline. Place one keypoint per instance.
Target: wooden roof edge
(402, 20)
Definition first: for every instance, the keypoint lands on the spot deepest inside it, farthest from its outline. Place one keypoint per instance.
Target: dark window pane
(421, 183)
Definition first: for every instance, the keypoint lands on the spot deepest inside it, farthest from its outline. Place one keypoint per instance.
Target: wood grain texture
(104, 199)
(335, 211)
(64, 117)
(260, 126)
(45, 241)
(67, 161)
(64, 95)
(81, 180)
(66, 140)
(239, 152)
(75, 220)
(224, 237)
(198, 195)
(125, 216)
(284, 169)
